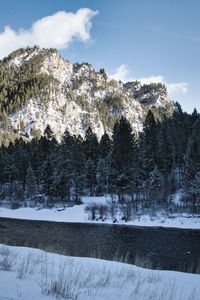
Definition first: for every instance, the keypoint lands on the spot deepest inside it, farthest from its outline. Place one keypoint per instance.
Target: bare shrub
(112, 209)
(65, 283)
(6, 259)
(102, 212)
(27, 266)
(105, 278)
(91, 210)
(127, 211)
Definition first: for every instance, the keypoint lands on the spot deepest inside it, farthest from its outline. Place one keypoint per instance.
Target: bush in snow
(95, 211)
(103, 209)
(91, 210)
(6, 259)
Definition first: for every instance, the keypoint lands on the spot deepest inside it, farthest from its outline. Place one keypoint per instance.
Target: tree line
(151, 167)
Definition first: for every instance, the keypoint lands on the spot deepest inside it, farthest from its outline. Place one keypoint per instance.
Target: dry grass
(74, 280)
(6, 259)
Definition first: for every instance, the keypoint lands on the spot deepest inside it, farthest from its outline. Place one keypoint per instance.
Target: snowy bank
(77, 214)
(27, 273)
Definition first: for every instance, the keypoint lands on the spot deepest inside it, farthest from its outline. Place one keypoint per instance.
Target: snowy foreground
(77, 214)
(27, 273)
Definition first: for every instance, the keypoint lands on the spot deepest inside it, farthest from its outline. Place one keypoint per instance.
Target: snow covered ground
(33, 274)
(77, 214)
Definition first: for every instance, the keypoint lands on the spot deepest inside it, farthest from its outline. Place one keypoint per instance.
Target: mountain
(39, 88)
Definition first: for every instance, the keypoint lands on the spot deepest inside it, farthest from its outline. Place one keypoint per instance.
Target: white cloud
(123, 73)
(151, 79)
(177, 88)
(57, 31)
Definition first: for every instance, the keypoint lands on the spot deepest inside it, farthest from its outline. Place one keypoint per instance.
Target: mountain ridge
(42, 88)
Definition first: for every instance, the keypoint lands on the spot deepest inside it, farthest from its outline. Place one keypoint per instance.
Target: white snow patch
(77, 214)
(35, 274)
(20, 59)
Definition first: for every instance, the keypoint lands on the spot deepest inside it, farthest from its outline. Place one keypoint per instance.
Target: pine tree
(69, 166)
(90, 145)
(155, 186)
(192, 155)
(179, 134)
(21, 160)
(78, 170)
(194, 190)
(148, 146)
(63, 167)
(48, 178)
(105, 146)
(103, 165)
(91, 152)
(30, 183)
(123, 159)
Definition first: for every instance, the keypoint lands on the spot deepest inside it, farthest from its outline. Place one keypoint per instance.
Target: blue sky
(132, 39)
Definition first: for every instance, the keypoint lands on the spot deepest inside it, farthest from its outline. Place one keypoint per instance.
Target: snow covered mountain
(39, 88)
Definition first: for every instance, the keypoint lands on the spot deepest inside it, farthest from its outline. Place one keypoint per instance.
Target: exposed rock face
(80, 97)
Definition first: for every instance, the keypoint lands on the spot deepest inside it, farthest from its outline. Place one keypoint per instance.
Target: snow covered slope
(77, 214)
(27, 273)
(78, 97)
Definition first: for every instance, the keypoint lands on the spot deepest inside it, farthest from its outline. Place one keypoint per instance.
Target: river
(155, 247)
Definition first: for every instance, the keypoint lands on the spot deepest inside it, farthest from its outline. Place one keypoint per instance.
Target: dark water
(164, 248)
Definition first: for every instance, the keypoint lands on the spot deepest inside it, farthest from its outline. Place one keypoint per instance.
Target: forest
(145, 170)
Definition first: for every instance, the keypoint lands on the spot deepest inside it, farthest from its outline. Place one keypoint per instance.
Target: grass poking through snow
(43, 275)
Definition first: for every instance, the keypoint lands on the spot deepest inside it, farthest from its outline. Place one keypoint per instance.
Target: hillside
(39, 88)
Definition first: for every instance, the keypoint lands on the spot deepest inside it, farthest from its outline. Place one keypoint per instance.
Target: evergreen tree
(103, 164)
(90, 146)
(150, 132)
(30, 183)
(20, 159)
(194, 190)
(69, 165)
(105, 146)
(90, 171)
(192, 155)
(179, 134)
(78, 171)
(91, 152)
(148, 146)
(123, 159)
(155, 186)
(194, 116)
(48, 178)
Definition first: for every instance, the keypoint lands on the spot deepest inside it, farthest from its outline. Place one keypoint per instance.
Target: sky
(147, 40)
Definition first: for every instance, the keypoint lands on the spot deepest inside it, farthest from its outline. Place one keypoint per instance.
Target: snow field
(33, 274)
(77, 214)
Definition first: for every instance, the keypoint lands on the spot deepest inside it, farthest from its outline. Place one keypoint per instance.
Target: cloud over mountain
(123, 73)
(56, 31)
